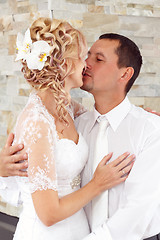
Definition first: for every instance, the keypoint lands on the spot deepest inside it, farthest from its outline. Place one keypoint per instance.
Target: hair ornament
(35, 54)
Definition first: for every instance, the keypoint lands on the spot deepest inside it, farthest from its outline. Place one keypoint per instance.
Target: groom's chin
(84, 88)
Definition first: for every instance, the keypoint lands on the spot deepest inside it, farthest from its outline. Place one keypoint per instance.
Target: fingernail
(26, 164)
(20, 146)
(127, 153)
(25, 155)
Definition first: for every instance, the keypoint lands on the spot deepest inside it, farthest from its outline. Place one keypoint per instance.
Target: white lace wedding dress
(57, 165)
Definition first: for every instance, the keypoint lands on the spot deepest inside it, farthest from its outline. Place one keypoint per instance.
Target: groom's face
(102, 72)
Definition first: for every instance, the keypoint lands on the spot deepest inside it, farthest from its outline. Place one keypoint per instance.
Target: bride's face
(79, 53)
(75, 78)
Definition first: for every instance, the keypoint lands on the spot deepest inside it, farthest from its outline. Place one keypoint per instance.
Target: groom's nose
(88, 64)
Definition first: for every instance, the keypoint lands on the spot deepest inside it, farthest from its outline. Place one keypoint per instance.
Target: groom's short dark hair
(128, 55)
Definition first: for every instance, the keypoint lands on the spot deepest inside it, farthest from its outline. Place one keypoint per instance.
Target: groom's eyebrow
(100, 54)
(97, 54)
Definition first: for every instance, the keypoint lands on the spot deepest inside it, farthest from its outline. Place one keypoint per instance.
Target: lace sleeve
(78, 108)
(38, 138)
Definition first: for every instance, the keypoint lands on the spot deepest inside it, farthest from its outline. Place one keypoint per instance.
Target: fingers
(117, 161)
(122, 166)
(105, 159)
(157, 113)
(19, 169)
(122, 179)
(14, 149)
(126, 170)
(114, 173)
(126, 162)
(22, 166)
(20, 173)
(9, 149)
(123, 174)
(19, 157)
(9, 140)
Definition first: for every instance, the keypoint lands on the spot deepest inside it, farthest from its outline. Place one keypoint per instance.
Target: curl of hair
(67, 44)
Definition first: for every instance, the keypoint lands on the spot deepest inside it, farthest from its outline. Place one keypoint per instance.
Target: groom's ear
(127, 74)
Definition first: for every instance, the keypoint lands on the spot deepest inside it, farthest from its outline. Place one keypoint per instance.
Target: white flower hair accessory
(24, 44)
(35, 53)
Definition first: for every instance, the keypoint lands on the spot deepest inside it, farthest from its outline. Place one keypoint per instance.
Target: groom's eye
(99, 59)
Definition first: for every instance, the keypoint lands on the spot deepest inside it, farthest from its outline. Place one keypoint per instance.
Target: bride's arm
(51, 209)
(42, 175)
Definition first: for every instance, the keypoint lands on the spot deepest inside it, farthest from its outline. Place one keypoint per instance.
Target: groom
(113, 64)
(133, 209)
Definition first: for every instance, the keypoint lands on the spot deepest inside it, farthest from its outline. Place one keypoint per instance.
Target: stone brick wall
(138, 20)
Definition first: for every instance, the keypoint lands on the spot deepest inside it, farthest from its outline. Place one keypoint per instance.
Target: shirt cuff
(11, 197)
(3, 184)
(9, 191)
(102, 232)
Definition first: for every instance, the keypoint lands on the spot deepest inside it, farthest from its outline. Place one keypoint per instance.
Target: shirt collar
(114, 117)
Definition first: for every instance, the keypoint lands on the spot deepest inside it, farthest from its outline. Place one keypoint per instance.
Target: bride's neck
(48, 100)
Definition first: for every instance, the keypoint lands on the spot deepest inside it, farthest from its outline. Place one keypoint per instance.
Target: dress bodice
(53, 163)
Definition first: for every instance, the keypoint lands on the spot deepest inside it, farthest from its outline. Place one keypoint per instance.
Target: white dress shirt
(134, 206)
(9, 191)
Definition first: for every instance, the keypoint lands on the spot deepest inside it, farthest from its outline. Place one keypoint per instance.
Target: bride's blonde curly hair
(67, 44)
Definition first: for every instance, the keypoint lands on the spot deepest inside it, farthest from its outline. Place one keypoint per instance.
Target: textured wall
(139, 20)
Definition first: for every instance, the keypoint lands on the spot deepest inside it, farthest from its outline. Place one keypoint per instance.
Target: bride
(53, 57)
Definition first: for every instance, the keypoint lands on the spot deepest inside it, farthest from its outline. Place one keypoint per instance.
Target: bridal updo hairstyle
(68, 44)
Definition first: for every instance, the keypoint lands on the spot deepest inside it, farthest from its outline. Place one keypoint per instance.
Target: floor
(7, 226)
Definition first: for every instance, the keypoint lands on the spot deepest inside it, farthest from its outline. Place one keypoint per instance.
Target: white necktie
(100, 203)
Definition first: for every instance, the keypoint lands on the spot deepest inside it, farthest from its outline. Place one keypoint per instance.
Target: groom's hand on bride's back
(152, 111)
(13, 160)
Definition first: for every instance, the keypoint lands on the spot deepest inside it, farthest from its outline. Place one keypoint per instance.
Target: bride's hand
(112, 174)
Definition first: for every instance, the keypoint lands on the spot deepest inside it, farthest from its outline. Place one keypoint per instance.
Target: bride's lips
(85, 73)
